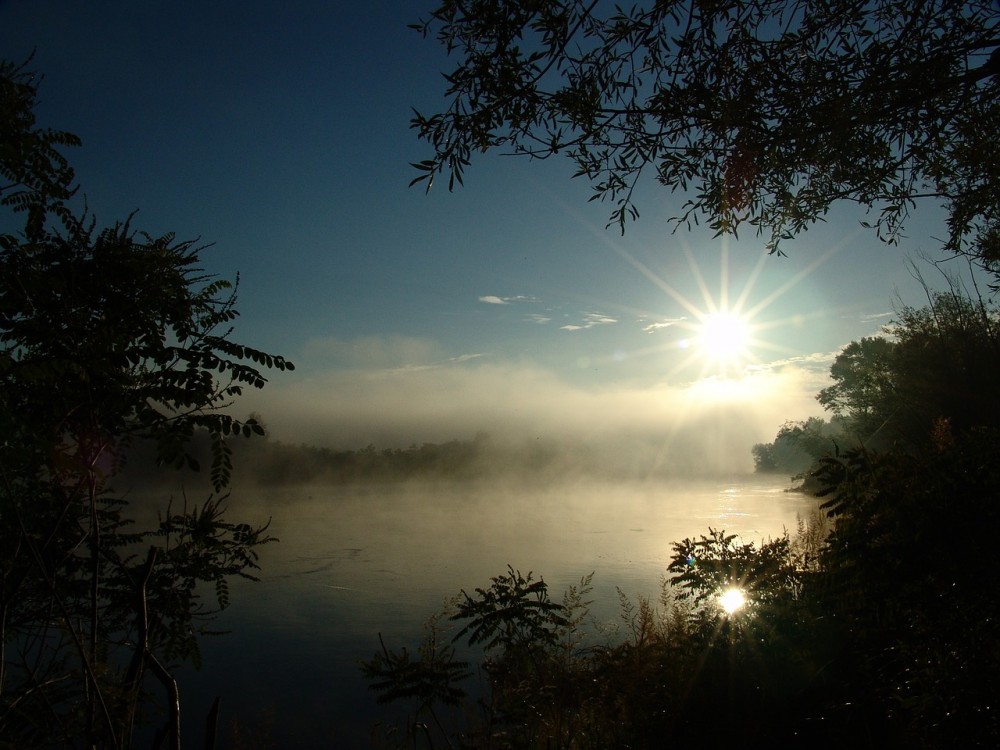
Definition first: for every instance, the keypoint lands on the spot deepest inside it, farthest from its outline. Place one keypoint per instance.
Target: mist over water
(356, 561)
(702, 427)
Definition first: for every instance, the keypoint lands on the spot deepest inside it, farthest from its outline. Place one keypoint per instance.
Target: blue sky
(280, 133)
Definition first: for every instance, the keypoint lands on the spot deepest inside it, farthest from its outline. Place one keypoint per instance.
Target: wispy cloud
(590, 320)
(814, 361)
(876, 317)
(492, 299)
(538, 319)
(668, 323)
(439, 364)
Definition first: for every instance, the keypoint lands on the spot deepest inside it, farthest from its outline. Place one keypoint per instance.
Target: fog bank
(711, 423)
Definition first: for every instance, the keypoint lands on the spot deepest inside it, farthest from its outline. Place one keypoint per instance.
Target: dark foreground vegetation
(107, 336)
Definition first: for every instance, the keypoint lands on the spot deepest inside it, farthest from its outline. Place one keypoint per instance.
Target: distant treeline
(269, 462)
(798, 445)
(273, 462)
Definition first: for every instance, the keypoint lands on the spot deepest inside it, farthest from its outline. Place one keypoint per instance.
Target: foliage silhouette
(702, 569)
(798, 445)
(682, 665)
(37, 178)
(514, 612)
(929, 377)
(762, 113)
(107, 336)
(908, 570)
(934, 369)
(431, 679)
(863, 390)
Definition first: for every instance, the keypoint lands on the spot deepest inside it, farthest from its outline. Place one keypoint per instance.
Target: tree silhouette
(106, 336)
(934, 376)
(864, 386)
(762, 113)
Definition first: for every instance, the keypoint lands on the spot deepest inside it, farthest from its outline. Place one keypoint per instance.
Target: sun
(723, 337)
(718, 335)
(732, 600)
(719, 340)
(723, 332)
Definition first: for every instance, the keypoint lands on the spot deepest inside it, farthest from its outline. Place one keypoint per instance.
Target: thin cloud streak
(669, 323)
(492, 299)
(876, 317)
(590, 320)
(438, 365)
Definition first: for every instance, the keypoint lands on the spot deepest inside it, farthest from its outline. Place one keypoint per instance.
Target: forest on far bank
(266, 462)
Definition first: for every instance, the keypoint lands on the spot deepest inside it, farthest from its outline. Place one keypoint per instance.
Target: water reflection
(353, 562)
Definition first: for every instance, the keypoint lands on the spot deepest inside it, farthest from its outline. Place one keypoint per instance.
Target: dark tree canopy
(763, 112)
(934, 376)
(798, 445)
(864, 387)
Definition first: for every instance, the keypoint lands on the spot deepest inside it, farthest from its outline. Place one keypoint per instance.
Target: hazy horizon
(398, 406)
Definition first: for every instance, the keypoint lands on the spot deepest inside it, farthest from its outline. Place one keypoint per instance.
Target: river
(353, 562)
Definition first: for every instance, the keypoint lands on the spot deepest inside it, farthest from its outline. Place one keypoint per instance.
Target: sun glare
(718, 336)
(732, 600)
(724, 336)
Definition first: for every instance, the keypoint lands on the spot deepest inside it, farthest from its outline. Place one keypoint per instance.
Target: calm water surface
(354, 562)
